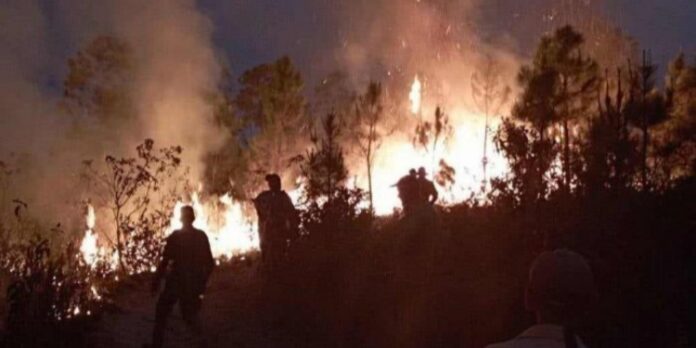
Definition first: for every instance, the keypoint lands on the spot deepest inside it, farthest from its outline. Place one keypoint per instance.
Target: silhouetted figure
(427, 193)
(408, 191)
(560, 289)
(186, 265)
(278, 222)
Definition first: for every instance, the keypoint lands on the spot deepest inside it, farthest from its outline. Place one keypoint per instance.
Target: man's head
(188, 216)
(273, 181)
(412, 172)
(560, 285)
(422, 173)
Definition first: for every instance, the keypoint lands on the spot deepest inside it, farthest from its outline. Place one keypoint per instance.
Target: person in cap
(186, 265)
(426, 189)
(278, 221)
(559, 290)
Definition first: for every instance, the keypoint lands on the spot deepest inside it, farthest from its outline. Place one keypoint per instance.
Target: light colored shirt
(538, 336)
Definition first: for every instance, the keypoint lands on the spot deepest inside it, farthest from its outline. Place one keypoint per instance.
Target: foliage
(52, 297)
(489, 94)
(430, 135)
(530, 158)
(368, 129)
(342, 214)
(226, 169)
(141, 193)
(559, 88)
(271, 101)
(676, 141)
(96, 85)
(323, 167)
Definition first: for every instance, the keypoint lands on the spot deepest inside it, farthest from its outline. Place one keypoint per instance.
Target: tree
(226, 169)
(489, 95)
(530, 156)
(97, 83)
(647, 109)
(558, 88)
(677, 143)
(271, 102)
(609, 152)
(141, 193)
(323, 167)
(367, 129)
(429, 136)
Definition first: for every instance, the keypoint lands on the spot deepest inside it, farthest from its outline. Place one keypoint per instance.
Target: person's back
(559, 291)
(427, 193)
(408, 191)
(275, 209)
(188, 250)
(186, 265)
(540, 336)
(278, 221)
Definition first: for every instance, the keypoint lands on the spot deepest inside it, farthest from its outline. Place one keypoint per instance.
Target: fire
(463, 151)
(229, 229)
(415, 96)
(89, 247)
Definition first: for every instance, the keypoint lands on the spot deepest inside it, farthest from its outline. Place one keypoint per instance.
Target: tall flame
(89, 248)
(415, 96)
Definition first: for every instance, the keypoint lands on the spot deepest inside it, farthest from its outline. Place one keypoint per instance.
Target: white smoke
(175, 71)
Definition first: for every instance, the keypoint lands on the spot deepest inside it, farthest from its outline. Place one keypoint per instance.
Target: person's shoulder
(264, 194)
(506, 344)
(174, 235)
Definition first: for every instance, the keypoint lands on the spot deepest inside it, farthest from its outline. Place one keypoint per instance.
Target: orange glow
(415, 96)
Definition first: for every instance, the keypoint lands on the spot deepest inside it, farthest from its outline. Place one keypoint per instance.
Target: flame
(89, 247)
(415, 96)
(463, 152)
(230, 231)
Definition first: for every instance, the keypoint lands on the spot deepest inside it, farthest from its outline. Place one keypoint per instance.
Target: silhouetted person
(186, 265)
(278, 221)
(560, 289)
(427, 193)
(408, 191)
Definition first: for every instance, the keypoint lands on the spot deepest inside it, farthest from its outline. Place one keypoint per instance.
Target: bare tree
(369, 118)
(489, 94)
(141, 192)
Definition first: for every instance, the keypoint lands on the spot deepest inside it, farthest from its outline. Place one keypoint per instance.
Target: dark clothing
(278, 222)
(186, 265)
(408, 192)
(187, 261)
(188, 305)
(427, 193)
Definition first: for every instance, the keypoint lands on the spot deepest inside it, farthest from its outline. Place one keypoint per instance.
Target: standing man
(426, 189)
(408, 191)
(278, 221)
(186, 265)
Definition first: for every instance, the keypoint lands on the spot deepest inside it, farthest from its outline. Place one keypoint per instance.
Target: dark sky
(251, 32)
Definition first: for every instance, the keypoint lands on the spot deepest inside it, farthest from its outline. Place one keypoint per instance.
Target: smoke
(176, 70)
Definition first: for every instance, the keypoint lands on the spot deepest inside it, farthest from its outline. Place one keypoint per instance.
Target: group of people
(417, 192)
(187, 260)
(560, 282)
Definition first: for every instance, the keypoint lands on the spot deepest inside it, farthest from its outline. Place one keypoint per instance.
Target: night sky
(251, 32)
(247, 33)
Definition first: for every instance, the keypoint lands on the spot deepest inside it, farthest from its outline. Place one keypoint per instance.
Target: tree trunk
(119, 241)
(566, 154)
(369, 180)
(566, 138)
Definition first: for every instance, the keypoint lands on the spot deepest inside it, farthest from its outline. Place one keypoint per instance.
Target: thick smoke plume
(175, 70)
